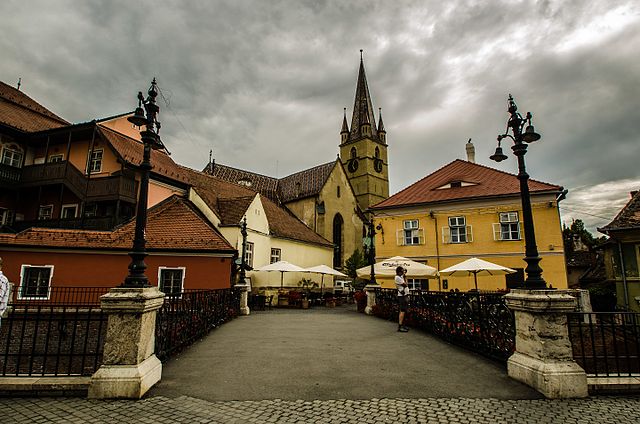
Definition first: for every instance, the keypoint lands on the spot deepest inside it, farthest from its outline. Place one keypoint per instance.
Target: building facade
(466, 210)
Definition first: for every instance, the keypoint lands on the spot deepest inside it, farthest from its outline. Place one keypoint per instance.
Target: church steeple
(382, 133)
(344, 133)
(363, 119)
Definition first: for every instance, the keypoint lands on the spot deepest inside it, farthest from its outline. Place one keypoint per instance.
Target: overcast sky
(264, 83)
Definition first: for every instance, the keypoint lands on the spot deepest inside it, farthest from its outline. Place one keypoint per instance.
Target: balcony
(112, 188)
(9, 175)
(88, 223)
(115, 187)
(55, 173)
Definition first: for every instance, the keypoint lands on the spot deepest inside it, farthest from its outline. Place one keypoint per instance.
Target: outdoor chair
(267, 302)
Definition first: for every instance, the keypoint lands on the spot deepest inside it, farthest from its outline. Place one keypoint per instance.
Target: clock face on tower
(352, 165)
(377, 165)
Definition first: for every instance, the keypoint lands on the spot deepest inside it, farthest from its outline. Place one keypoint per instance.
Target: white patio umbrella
(476, 267)
(387, 268)
(324, 270)
(282, 267)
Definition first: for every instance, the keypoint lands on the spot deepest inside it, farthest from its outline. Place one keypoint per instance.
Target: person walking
(403, 293)
(4, 292)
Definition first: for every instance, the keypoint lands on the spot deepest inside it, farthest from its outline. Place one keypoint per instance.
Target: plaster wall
(436, 252)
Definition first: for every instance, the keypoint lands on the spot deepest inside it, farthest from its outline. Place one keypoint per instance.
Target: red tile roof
(172, 225)
(131, 151)
(628, 217)
(230, 201)
(484, 182)
(19, 111)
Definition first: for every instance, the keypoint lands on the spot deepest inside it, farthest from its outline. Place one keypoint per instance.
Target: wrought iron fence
(51, 339)
(83, 296)
(477, 321)
(187, 317)
(606, 344)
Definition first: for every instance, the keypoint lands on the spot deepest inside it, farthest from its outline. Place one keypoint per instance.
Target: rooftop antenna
(19, 83)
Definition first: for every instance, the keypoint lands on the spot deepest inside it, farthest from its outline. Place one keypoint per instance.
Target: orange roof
(172, 225)
(230, 202)
(131, 151)
(21, 112)
(628, 217)
(476, 181)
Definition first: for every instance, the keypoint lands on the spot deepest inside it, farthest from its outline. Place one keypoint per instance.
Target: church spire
(344, 133)
(382, 133)
(363, 120)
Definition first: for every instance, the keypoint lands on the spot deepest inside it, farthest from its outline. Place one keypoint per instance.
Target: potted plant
(307, 284)
(361, 300)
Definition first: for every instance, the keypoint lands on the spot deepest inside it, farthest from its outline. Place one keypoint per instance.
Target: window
(95, 161)
(45, 212)
(458, 229)
(353, 153)
(6, 216)
(90, 210)
(508, 228)
(276, 255)
(377, 153)
(338, 191)
(11, 157)
(171, 280)
(411, 234)
(418, 284)
(35, 281)
(248, 254)
(55, 158)
(69, 211)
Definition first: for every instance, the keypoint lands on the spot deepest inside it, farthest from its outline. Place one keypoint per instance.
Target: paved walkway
(326, 366)
(327, 354)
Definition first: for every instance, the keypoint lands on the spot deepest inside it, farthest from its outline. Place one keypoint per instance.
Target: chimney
(471, 152)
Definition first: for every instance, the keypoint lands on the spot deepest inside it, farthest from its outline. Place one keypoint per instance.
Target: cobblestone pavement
(184, 409)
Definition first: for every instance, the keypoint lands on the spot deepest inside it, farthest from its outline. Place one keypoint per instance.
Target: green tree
(578, 230)
(355, 261)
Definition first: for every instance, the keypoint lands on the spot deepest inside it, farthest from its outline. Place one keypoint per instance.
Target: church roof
(462, 180)
(362, 108)
(19, 111)
(305, 183)
(267, 186)
(628, 217)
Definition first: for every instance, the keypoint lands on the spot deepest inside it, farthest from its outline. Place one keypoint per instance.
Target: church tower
(363, 148)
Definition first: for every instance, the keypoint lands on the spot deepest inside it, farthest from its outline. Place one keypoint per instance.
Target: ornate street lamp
(371, 250)
(150, 140)
(516, 123)
(243, 232)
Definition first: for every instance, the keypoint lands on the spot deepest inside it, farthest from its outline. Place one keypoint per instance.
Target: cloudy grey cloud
(263, 84)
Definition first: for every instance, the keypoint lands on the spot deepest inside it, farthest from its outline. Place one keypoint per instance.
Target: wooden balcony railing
(87, 223)
(112, 188)
(9, 174)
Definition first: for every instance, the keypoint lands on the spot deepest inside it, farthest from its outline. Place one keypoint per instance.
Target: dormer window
(456, 184)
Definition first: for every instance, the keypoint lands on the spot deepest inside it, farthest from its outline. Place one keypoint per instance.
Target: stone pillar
(129, 365)
(371, 297)
(244, 298)
(543, 357)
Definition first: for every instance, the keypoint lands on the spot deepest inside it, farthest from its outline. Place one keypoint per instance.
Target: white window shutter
(469, 234)
(400, 237)
(520, 237)
(421, 235)
(497, 233)
(446, 235)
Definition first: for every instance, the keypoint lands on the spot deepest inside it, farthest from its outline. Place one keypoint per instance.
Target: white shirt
(4, 293)
(402, 290)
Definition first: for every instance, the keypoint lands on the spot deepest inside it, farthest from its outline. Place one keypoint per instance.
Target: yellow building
(466, 210)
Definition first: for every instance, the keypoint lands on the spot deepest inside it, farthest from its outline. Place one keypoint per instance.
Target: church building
(332, 198)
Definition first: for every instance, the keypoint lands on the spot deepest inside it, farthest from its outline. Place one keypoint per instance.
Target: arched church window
(377, 153)
(354, 153)
(338, 224)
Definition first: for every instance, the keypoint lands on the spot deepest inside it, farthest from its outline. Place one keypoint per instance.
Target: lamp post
(372, 250)
(243, 232)
(520, 139)
(150, 140)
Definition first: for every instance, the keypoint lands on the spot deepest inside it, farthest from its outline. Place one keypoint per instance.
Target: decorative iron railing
(187, 317)
(480, 321)
(69, 296)
(606, 344)
(51, 340)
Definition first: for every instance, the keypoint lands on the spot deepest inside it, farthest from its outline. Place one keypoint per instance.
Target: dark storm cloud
(263, 83)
